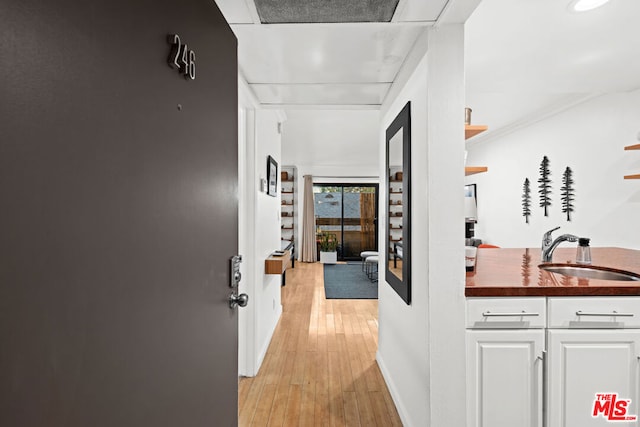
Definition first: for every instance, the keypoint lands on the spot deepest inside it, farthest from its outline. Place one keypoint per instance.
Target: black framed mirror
(398, 236)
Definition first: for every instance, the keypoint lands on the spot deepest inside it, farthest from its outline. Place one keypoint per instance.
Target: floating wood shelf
(469, 132)
(472, 130)
(287, 192)
(277, 264)
(471, 170)
(632, 147)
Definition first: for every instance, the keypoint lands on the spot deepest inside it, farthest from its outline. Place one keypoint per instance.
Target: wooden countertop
(515, 272)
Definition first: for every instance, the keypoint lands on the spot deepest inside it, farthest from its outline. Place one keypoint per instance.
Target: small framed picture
(272, 177)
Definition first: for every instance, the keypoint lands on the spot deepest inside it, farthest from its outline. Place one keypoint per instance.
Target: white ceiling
(525, 59)
(342, 65)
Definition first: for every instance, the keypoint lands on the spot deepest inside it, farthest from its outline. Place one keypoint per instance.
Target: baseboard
(263, 350)
(402, 412)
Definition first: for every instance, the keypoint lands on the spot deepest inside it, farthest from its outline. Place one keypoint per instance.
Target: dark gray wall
(118, 215)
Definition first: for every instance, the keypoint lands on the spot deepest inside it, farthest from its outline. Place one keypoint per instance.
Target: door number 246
(181, 58)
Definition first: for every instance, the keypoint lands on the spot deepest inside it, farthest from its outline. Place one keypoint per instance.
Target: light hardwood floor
(320, 368)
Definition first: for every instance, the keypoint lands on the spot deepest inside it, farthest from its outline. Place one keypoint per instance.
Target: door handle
(513, 314)
(236, 300)
(612, 314)
(543, 359)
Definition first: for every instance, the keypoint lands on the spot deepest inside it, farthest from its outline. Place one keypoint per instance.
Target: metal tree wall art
(544, 187)
(567, 192)
(526, 200)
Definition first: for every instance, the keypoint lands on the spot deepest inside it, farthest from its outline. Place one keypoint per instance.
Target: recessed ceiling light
(584, 5)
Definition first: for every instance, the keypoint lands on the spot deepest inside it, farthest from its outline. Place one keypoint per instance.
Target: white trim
(263, 351)
(397, 14)
(276, 106)
(533, 118)
(246, 97)
(342, 25)
(456, 12)
(282, 115)
(411, 61)
(253, 12)
(246, 195)
(395, 396)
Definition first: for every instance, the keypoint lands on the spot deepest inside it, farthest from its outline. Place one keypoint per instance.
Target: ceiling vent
(323, 11)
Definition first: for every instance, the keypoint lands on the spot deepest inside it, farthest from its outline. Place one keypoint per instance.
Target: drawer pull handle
(612, 314)
(523, 313)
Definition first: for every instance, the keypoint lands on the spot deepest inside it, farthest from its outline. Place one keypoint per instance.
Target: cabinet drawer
(594, 312)
(506, 313)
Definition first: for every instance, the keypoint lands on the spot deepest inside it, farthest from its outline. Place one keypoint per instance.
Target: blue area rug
(348, 281)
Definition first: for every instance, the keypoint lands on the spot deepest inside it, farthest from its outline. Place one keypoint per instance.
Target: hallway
(320, 368)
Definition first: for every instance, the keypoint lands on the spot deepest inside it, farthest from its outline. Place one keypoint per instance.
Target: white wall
(590, 138)
(259, 231)
(421, 347)
(267, 231)
(332, 142)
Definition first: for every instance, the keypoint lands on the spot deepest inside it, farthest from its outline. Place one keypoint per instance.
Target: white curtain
(308, 222)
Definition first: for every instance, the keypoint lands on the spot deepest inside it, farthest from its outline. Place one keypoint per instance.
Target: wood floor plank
(297, 372)
(351, 414)
(287, 372)
(379, 407)
(292, 414)
(365, 409)
(320, 367)
(310, 368)
(278, 410)
(321, 414)
(244, 385)
(265, 403)
(308, 405)
(248, 406)
(345, 366)
(336, 404)
(331, 332)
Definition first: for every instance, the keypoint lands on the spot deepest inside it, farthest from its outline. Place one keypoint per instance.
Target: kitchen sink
(591, 272)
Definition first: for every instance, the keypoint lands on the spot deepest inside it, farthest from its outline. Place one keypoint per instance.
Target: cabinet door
(584, 363)
(504, 378)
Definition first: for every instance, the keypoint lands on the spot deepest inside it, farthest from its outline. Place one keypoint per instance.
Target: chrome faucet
(548, 246)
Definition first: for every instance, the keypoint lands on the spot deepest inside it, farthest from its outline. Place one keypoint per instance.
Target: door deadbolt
(236, 276)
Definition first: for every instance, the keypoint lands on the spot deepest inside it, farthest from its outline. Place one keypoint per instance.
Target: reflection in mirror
(398, 263)
(395, 204)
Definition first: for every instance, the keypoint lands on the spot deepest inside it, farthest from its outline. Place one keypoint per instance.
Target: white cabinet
(584, 362)
(589, 345)
(504, 378)
(505, 345)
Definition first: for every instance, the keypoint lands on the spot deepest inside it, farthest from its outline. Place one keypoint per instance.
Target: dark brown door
(118, 215)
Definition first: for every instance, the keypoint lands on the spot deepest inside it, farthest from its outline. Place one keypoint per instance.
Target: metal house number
(181, 58)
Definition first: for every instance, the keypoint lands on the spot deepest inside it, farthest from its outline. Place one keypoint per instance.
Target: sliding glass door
(349, 212)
